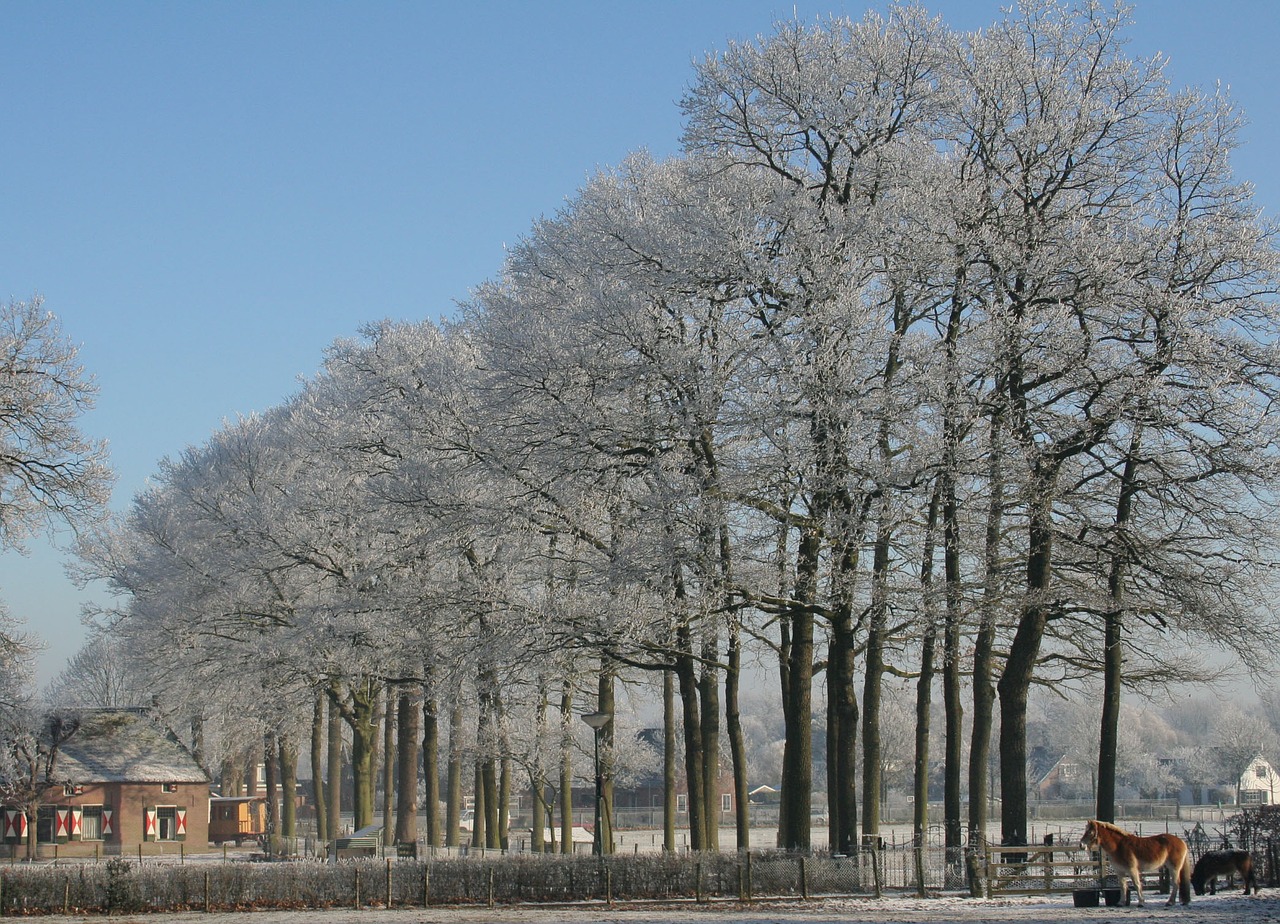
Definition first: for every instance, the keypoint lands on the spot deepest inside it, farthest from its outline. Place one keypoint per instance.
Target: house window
(726, 802)
(1262, 771)
(91, 823)
(680, 802)
(168, 787)
(166, 823)
(45, 816)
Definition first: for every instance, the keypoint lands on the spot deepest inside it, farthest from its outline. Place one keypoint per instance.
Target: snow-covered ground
(1230, 908)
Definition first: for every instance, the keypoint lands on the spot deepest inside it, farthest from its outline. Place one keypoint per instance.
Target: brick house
(123, 784)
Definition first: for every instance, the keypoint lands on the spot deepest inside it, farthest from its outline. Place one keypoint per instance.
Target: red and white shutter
(76, 816)
(180, 822)
(149, 829)
(14, 824)
(107, 814)
(62, 823)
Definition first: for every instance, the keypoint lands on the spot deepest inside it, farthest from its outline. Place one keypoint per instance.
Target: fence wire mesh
(122, 886)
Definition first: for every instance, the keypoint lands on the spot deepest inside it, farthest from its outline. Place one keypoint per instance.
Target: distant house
(126, 784)
(1054, 775)
(1259, 784)
(765, 795)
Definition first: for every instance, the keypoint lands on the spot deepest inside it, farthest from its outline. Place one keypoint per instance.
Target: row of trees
(935, 354)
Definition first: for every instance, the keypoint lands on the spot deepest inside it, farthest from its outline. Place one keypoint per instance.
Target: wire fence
(120, 885)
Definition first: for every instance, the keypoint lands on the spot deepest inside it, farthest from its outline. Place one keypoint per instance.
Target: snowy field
(1232, 908)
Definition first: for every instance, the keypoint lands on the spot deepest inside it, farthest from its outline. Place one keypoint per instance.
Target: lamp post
(597, 721)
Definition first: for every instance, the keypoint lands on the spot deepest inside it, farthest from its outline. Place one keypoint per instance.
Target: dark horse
(1227, 863)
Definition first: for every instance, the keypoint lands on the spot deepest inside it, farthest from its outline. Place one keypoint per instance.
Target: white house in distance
(1259, 784)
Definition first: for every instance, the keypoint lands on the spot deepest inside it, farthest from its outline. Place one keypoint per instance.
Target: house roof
(125, 746)
(1041, 762)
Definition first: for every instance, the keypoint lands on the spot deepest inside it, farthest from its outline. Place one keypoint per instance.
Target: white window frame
(171, 817)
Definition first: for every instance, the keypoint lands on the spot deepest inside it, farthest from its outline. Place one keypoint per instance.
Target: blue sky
(208, 194)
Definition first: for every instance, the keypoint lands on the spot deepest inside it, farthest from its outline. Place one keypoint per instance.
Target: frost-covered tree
(50, 473)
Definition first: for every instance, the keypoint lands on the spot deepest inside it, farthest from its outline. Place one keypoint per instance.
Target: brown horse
(1131, 855)
(1223, 863)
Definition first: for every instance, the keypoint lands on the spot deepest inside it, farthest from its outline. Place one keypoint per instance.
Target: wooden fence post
(804, 881)
(206, 891)
(426, 885)
(388, 883)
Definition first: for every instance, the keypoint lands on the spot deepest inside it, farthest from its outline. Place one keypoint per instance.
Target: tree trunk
(288, 792)
(1113, 638)
(389, 723)
(504, 802)
(487, 749)
(842, 700)
(197, 741)
(361, 715)
(693, 759)
(873, 679)
(375, 758)
(431, 767)
(492, 813)
(407, 728)
(1015, 681)
(317, 769)
(668, 761)
(566, 768)
(479, 803)
(842, 707)
(984, 693)
(538, 779)
(953, 707)
(709, 706)
(334, 766)
(924, 705)
(605, 703)
(453, 785)
(538, 815)
(271, 762)
(796, 677)
(737, 740)
(924, 686)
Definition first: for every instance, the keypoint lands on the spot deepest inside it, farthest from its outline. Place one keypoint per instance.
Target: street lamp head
(597, 720)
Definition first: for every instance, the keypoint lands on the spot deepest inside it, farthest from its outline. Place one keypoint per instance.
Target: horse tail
(1184, 879)
(1249, 874)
